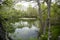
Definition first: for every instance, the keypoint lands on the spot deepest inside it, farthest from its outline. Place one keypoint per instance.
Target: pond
(24, 33)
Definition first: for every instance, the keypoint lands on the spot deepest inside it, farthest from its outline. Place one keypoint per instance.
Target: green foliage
(55, 15)
(55, 32)
(8, 2)
(33, 39)
(32, 11)
(6, 11)
(44, 37)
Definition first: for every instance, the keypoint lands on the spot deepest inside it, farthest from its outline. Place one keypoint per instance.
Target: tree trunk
(49, 8)
(45, 25)
(40, 18)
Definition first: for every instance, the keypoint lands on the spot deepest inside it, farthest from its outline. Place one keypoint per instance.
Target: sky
(23, 5)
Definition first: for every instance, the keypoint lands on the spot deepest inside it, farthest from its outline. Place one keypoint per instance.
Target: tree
(40, 17)
(3, 10)
(49, 7)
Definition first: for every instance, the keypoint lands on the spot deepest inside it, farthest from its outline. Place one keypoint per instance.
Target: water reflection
(20, 24)
(25, 33)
